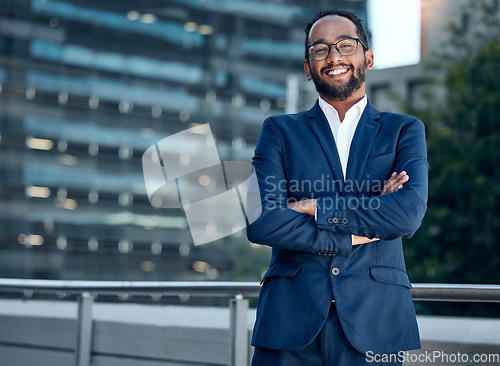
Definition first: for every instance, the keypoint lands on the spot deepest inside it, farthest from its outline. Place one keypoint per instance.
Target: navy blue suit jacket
(313, 260)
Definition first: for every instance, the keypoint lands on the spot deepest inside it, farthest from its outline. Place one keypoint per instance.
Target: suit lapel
(321, 128)
(361, 145)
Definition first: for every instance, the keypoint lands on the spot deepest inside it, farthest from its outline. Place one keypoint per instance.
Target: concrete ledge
(456, 341)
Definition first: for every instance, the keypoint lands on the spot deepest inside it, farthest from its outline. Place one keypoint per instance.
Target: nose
(334, 54)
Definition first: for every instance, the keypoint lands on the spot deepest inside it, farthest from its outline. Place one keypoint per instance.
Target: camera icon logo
(184, 171)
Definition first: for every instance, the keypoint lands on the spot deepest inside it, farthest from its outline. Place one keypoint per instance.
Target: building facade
(87, 86)
(392, 89)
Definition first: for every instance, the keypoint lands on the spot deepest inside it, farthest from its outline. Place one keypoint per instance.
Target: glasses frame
(358, 41)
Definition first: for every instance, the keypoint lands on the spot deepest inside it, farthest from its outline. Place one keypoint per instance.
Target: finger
(358, 240)
(392, 177)
(390, 187)
(390, 183)
(396, 179)
(399, 177)
(395, 182)
(403, 180)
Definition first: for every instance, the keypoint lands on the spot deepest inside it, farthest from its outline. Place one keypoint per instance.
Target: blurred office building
(86, 87)
(393, 89)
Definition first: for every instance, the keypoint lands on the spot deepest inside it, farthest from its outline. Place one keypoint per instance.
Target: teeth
(337, 71)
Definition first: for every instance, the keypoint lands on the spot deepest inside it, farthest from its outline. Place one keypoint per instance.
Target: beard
(341, 91)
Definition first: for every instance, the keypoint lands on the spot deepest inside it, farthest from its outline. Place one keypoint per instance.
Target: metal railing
(238, 305)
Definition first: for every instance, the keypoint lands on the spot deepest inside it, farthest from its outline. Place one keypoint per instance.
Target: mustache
(328, 68)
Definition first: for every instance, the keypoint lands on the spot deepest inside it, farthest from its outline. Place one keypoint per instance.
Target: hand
(357, 240)
(395, 182)
(307, 206)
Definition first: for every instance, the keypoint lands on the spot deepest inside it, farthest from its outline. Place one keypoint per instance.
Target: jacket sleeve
(388, 216)
(279, 226)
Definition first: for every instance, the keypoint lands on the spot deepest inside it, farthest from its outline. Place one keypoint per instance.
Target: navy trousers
(322, 351)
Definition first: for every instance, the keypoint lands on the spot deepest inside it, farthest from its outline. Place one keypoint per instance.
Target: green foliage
(458, 240)
(252, 263)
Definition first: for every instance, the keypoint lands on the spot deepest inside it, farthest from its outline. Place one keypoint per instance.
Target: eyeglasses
(345, 47)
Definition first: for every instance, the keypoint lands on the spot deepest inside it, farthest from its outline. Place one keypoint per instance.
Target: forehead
(331, 28)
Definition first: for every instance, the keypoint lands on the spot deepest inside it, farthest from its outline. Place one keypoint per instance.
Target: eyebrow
(322, 40)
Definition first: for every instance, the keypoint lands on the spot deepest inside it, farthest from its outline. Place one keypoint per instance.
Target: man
(334, 210)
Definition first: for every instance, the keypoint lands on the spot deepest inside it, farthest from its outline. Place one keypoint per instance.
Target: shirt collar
(359, 107)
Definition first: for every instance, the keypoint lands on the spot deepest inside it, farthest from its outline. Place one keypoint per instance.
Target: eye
(320, 49)
(346, 44)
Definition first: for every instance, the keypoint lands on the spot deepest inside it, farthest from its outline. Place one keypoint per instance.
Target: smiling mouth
(337, 72)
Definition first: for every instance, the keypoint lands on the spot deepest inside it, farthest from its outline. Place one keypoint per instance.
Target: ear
(369, 59)
(307, 70)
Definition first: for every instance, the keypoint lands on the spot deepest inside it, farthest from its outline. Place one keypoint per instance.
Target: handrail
(420, 291)
(195, 288)
(455, 292)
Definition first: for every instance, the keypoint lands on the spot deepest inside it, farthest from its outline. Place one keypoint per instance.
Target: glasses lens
(347, 47)
(319, 51)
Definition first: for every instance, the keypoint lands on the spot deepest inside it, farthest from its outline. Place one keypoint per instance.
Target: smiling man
(339, 186)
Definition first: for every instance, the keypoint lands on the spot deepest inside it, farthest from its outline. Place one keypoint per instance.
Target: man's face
(338, 77)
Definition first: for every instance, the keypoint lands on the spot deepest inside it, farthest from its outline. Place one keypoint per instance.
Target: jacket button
(335, 271)
(329, 220)
(345, 220)
(321, 252)
(335, 220)
(335, 253)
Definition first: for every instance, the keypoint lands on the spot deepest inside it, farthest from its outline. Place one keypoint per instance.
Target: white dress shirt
(343, 131)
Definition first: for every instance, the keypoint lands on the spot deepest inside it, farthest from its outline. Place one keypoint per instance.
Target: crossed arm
(395, 215)
(309, 206)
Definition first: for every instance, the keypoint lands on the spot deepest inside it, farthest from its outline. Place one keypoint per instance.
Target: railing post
(238, 331)
(84, 329)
